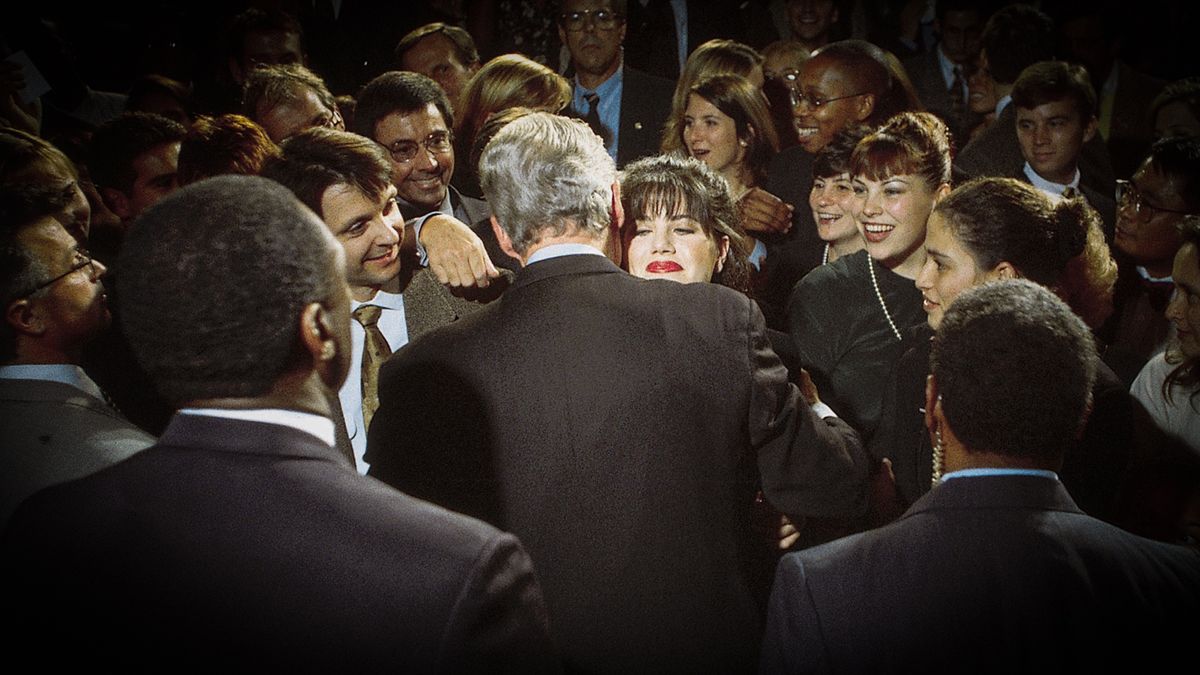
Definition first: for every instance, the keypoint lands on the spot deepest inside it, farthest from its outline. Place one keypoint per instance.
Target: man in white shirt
(55, 423)
(346, 179)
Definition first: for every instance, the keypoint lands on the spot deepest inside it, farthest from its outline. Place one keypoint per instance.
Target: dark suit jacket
(645, 106)
(925, 71)
(1104, 204)
(989, 574)
(52, 433)
(995, 151)
(619, 427)
(254, 546)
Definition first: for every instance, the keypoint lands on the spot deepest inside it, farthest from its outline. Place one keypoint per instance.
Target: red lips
(663, 267)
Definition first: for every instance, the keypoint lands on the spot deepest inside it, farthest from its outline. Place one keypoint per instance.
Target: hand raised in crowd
(456, 254)
(764, 212)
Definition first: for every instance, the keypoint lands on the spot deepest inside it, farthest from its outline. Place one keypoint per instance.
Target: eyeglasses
(604, 19)
(1129, 196)
(82, 259)
(798, 97)
(438, 142)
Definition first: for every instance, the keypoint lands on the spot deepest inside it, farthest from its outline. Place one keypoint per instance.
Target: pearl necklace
(875, 284)
(825, 255)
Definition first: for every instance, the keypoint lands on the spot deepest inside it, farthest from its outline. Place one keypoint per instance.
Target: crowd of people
(601, 336)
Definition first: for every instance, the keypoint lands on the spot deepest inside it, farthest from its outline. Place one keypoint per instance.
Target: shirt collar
(947, 67)
(998, 471)
(1050, 187)
(413, 211)
(607, 88)
(559, 250)
(1153, 279)
(65, 373)
(1002, 104)
(313, 425)
(382, 299)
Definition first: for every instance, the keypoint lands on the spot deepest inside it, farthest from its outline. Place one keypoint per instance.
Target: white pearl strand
(875, 284)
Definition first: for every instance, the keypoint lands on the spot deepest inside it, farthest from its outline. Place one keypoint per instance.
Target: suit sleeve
(793, 642)
(809, 466)
(499, 622)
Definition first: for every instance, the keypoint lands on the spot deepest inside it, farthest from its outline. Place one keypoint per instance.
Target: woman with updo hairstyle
(985, 230)
(715, 57)
(504, 82)
(848, 319)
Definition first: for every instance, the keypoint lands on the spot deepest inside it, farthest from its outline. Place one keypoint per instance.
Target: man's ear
(865, 105)
(504, 240)
(117, 202)
(1004, 270)
(931, 402)
(25, 318)
(617, 252)
(1089, 132)
(319, 341)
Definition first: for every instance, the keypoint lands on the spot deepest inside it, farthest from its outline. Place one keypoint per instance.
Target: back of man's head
(401, 92)
(546, 175)
(117, 143)
(214, 279)
(1014, 38)
(1014, 369)
(464, 44)
(226, 144)
(1050, 81)
(314, 160)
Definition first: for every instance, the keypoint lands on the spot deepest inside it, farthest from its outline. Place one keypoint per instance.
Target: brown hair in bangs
(914, 143)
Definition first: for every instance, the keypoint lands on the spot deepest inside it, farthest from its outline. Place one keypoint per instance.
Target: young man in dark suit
(995, 569)
(621, 426)
(346, 180)
(243, 540)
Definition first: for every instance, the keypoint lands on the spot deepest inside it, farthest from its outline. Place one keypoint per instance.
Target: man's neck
(591, 81)
(601, 243)
(365, 293)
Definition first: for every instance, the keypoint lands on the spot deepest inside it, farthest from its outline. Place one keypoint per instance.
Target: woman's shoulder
(844, 270)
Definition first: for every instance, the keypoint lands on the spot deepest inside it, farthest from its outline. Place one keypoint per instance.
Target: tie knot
(368, 315)
(593, 99)
(1070, 192)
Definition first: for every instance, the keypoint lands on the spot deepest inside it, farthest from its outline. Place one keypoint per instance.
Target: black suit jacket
(991, 574)
(925, 72)
(645, 106)
(619, 427)
(254, 545)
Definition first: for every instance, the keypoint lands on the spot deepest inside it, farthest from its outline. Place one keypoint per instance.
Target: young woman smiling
(848, 318)
(992, 229)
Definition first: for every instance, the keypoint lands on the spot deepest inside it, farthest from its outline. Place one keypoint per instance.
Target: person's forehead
(160, 159)
(580, 5)
(432, 47)
(47, 239)
(1063, 107)
(827, 70)
(411, 125)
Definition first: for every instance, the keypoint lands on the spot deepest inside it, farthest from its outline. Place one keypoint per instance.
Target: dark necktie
(957, 102)
(593, 117)
(1070, 192)
(375, 351)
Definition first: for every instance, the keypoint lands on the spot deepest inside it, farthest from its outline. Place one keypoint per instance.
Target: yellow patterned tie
(375, 351)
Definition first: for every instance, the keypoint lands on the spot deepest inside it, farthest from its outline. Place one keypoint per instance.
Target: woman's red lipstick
(663, 267)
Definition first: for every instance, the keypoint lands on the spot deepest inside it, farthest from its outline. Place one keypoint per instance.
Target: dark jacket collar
(996, 492)
(253, 438)
(564, 265)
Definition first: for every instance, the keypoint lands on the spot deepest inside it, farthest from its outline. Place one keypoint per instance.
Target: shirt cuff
(823, 410)
(416, 224)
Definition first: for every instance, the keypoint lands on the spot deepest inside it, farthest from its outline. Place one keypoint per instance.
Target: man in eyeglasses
(624, 106)
(55, 424)
(346, 180)
(1150, 208)
(287, 99)
(410, 116)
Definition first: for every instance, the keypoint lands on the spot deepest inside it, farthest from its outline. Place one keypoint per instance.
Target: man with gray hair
(620, 427)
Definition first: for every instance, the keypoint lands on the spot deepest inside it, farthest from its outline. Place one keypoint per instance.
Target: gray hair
(545, 175)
